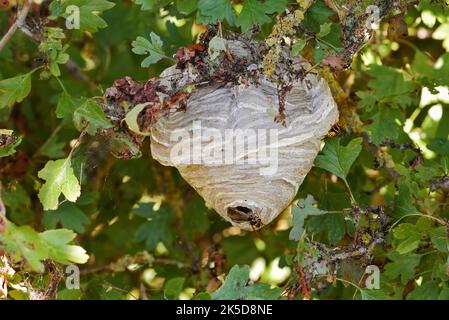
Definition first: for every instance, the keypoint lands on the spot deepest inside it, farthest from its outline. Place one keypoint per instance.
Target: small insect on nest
(228, 142)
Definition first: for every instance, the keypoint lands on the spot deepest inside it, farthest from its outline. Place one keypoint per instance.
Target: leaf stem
(62, 85)
(351, 195)
(415, 215)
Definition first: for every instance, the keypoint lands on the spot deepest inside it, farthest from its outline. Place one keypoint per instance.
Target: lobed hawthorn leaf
(384, 125)
(150, 5)
(153, 48)
(236, 287)
(338, 159)
(213, 11)
(158, 228)
(439, 239)
(389, 85)
(69, 215)
(426, 291)
(336, 227)
(186, 6)
(411, 235)
(59, 179)
(195, 217)
(255, 12)
(89, 12)
(439, 145)
(173, 288)
(24, 244)
(57, 241)
(18, 202)
(300, 212)
(14, 89)
(373, 294)
(404, 200)
(90, 117)
(402, 265)
(147, 4)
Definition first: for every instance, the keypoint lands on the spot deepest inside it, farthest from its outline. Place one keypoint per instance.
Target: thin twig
(23, 13)
(2, 206)
(2, 212)
(121, 264)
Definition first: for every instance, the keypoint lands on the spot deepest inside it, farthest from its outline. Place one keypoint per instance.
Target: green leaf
(325, 29)
(57, 242)
(255, 12)
(240, 250)
(338, 159)
(300, 211)
(235, 283)
(336, 227)
(427, 291)
(173, 288)
(89, 13)
(368, 294)
(147, 4)
(404, 200)
(59, 179)
(158, 227)
(262, 291)
(66, 106)
(389, 85)
(195, 217)
(439, 239)
(186, 6)
(69, 215)
(367, 100)
(152, 5)
(317, 15)
(18, 202)
(53, 148)
(384, 125)
(297, 47)
(235, 287)
(439, 145)
(402, 265)
(411, 234)
(153, 48)
(213, 11)
(90, 117)
(15, 89)
(23, 244)
(203, 296)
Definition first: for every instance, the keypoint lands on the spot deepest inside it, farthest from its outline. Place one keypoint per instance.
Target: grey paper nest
(234, 189)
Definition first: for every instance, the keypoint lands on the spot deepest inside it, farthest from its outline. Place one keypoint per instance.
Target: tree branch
(23, 13)
(141, 258)
(2, 211)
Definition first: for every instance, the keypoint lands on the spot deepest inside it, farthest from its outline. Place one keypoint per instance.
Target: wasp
(241, 214)
(335, 131)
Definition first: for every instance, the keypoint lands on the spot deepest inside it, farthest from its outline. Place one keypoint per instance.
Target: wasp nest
(247, 186)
